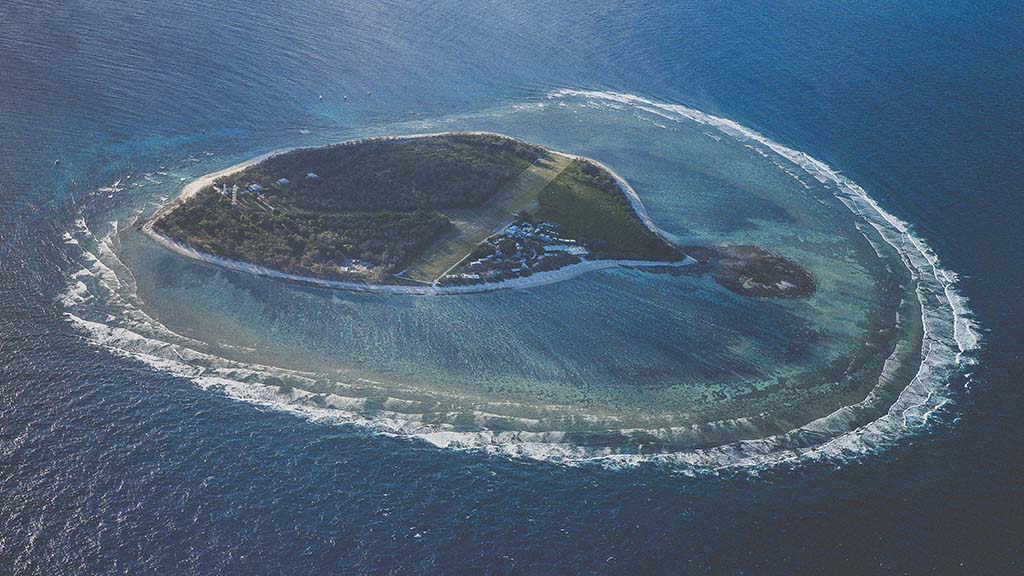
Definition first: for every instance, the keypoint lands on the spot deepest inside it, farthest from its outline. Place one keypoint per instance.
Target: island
(453, 212)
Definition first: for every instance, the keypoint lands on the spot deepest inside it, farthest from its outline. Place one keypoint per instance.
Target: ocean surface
(161, 416)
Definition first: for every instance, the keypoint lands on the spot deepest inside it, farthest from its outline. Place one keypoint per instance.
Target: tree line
(300, 241)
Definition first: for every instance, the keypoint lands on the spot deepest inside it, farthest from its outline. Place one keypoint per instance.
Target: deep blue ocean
(108, 466)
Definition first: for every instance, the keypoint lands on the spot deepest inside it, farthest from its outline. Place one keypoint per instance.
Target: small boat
(321, 97)
(56, 162)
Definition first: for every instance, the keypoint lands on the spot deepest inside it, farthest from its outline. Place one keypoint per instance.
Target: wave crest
(950, 340)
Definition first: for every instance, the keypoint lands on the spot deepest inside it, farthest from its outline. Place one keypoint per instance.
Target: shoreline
(836, 434)
(537, 279)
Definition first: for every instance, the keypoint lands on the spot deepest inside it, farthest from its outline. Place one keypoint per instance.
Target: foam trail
(950, 333)
(949, 341)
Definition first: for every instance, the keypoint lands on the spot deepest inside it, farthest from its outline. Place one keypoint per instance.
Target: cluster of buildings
(234, 193)
(519, 250)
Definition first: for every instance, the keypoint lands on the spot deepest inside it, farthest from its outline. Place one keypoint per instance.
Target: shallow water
(606, 364)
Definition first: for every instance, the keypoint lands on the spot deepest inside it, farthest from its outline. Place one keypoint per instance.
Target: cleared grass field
(590, 207)
(470, 226)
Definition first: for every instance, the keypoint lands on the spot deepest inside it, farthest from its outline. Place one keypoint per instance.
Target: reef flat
(439, 213)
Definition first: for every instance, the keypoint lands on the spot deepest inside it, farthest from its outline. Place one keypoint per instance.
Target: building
(282, 181)
(254, 188)
(311, 176)
(556, 248)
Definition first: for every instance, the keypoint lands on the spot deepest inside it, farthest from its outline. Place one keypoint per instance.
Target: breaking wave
(950, 339)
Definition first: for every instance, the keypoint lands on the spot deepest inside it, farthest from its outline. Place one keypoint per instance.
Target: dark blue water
(107, 466)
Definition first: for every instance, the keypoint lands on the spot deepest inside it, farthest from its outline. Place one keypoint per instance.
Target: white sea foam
(950, 333)
(950, 338)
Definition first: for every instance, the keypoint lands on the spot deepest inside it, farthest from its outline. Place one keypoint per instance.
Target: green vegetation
(482, 250)
(300, 241)
(414, 207)
(430, 173)
(470, 226)
(588, 205)
(374, 201)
